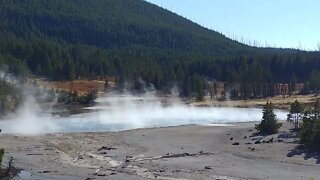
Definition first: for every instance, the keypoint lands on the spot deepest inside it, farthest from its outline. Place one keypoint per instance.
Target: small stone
(80, 157)
(290, 155)
(207, 167)
(257, 142)
(271, 140)
(257, 138)
(236, 144)
(265, 142)
(231, 139)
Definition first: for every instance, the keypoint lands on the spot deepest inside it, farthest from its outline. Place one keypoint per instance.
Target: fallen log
(35, 154)
(171, 156)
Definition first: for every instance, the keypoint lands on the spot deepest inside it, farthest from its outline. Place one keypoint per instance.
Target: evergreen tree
(292, 85)
(295, 114)
(1, 156)
(269, 123)
(310, 130)
(316, 109)
(315, 81)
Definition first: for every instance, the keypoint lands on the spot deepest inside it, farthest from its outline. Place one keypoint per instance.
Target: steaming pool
(126, 112)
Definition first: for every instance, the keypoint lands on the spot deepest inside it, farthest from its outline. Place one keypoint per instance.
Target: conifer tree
(269, 123)
(295, 114)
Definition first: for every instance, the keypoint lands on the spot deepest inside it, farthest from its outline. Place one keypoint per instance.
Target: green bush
(269, 123)
(74, 98)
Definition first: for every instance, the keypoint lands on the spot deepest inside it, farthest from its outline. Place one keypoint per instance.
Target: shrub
(269, 123)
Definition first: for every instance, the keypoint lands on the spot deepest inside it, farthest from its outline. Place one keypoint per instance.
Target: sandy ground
(186, 152)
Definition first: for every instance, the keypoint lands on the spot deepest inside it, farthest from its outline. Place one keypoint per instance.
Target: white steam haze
(115, 112)
(28, 119)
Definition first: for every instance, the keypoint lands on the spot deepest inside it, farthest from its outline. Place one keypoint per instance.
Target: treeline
(247, 76)
(139, 42)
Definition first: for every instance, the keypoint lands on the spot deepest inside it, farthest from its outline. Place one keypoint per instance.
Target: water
(126, 112)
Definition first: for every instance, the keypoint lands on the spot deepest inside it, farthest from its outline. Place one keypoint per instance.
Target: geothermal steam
(123, 112)
(29, 119)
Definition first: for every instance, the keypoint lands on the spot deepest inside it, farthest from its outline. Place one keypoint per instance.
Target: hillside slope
(109, 24)
(134, 40)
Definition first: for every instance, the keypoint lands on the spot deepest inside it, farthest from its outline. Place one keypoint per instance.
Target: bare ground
(186, 152)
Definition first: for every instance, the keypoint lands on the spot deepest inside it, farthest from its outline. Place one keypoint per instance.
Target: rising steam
(116, 112)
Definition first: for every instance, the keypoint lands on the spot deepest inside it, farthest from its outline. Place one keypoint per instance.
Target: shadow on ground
(302, 151)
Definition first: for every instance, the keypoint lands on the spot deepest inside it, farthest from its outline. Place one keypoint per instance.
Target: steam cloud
(116, 112)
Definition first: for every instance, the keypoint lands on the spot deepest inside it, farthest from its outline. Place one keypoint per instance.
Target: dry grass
(81, 86)
(278, 101)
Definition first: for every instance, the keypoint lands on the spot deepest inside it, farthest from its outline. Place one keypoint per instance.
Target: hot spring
(125, 112)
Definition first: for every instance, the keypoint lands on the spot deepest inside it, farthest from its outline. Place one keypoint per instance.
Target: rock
(80, 157)
(207, 167)
(106, 148)
(293, 140)
(231, 139)
(257, 138)
(271, 140)
(248, 143)
(127, 159)
(252, 149)
(290, 154)
(257, 142)
(245, 137)
(44, 172)
(280, 140)
(285, 135)
(236, 144)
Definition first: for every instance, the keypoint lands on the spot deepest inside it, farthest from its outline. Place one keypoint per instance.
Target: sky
(275, 23)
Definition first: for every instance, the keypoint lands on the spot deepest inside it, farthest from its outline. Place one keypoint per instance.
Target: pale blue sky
(279, 23)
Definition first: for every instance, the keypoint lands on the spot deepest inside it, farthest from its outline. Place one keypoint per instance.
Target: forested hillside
(135, 40)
